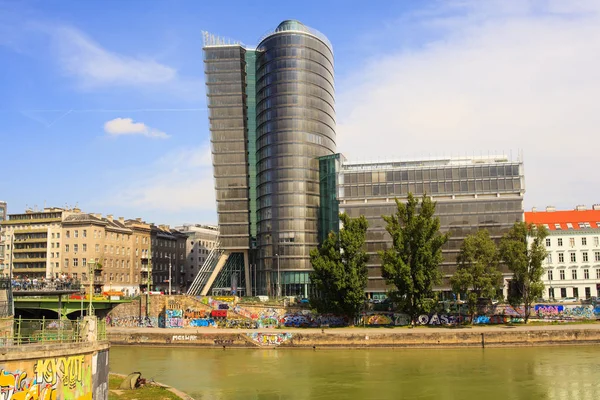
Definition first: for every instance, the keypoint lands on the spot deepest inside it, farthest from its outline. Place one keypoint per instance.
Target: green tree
(524, 260)
(340, 270)
(412, 263)
(477, 273)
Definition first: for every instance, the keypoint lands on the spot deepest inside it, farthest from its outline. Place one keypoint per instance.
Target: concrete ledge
(49, 350)
(360, 339)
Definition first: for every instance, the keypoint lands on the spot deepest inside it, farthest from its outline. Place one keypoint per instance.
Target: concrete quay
(359, 337)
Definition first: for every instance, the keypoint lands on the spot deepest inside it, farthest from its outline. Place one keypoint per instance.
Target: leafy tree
(477, 274)
(524, 260)
(412, 264)
(340, 270)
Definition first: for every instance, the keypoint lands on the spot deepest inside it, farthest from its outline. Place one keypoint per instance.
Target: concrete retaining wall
(300, 339)
(77, 371)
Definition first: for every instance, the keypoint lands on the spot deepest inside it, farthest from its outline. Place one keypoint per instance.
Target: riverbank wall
(363, 338)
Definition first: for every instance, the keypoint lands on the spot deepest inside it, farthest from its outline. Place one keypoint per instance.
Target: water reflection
(553, 373)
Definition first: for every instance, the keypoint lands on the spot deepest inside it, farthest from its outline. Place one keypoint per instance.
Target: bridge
(61, 304)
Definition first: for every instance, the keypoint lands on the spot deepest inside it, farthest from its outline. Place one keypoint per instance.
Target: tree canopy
(340, 270)
(477, 273)
(524, 260)
(412, 263)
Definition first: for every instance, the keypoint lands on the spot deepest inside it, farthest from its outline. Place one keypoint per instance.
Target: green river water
(565, 373)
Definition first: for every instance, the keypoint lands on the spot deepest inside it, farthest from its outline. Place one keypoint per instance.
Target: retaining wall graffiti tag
(269, 339)
(184, 338)
(48, 379)
(173, 318)
(200, 322)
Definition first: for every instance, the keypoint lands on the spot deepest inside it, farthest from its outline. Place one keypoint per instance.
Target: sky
(103, 103)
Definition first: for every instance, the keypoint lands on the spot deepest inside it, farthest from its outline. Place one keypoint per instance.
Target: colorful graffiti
(201, 322)
(269, 339)
(173, 319)
(48, 379)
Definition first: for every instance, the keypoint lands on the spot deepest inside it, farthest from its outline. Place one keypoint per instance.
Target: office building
(471, 193)
(271, 112)
(572, 268)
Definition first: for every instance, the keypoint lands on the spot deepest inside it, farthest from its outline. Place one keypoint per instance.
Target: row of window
(559, 242)
(575, 293)
(573, 257)
(574, 275)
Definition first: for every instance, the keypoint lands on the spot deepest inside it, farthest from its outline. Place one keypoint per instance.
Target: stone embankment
(497, 336)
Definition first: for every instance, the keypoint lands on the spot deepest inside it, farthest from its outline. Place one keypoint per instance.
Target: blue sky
(103, 102)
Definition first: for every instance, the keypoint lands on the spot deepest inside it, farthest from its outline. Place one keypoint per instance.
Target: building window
(67, 265)
(97, 248)
(597, 255)
(586, 274)
(588, 293)
(84, 233)
(75, 248)
(584, 241)
(561, 257)
(548, 242)
(560, 242)
(585, 256)
(573, 257)
(572, 242)
(84, 247)
(551, 293)
(563, 292)
(549, 258)
(76, 233)
(569, 225)
(597, 273)
(596, 242)
(84, 262)
(562, 274)
(75, 262)
(66, 248)
(574, 274)
(67, 234)
(576, 292)
(549, 274)
(75, 275)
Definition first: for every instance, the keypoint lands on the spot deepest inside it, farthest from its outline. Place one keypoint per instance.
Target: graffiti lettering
(223, 341)
(270, 339)
(184, 337)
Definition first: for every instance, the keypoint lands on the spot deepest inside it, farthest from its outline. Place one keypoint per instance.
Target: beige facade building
(201, 240)
(67, 243)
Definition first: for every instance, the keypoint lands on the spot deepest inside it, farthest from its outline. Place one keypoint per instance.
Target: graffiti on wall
(100, 371)
(173, 318)
(48, 379)
(269, 339)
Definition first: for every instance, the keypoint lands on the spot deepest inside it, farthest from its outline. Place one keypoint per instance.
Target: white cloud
(517, 77)
(181, 181)
(126, 126)
(93, 65)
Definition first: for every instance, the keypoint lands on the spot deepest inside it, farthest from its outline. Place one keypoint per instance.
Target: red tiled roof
(551, 218)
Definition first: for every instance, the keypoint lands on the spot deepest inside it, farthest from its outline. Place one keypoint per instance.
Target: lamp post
(278, 278)
(170, 274)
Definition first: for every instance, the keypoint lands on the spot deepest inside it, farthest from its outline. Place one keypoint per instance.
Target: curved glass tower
(271, 112)
(295, 124)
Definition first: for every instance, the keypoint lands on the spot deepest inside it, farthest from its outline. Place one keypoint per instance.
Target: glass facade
(225, 70)
(329, 209)
(470, 194)
(271, 116)
(295, 124)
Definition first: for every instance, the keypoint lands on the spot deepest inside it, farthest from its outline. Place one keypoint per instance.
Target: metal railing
(46, 285)
(43, 331)
(205, 271)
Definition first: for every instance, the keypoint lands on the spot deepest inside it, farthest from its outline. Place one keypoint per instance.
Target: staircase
(208, 272)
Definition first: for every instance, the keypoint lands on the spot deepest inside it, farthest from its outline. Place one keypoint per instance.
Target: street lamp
(170, 274)
(278, 277)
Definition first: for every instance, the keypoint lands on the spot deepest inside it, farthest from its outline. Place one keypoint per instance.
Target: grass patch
(148, 392)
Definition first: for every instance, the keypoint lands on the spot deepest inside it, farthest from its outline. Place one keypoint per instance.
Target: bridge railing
(43, 331)
(47, 285)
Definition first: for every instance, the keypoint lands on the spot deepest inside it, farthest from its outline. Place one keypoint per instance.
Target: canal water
(553, 373)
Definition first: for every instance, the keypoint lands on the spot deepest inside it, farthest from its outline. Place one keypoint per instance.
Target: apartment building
(573, 245)
(168, 258)
(3, 265)
(200, 241)
(111, 247)
(29, 238)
